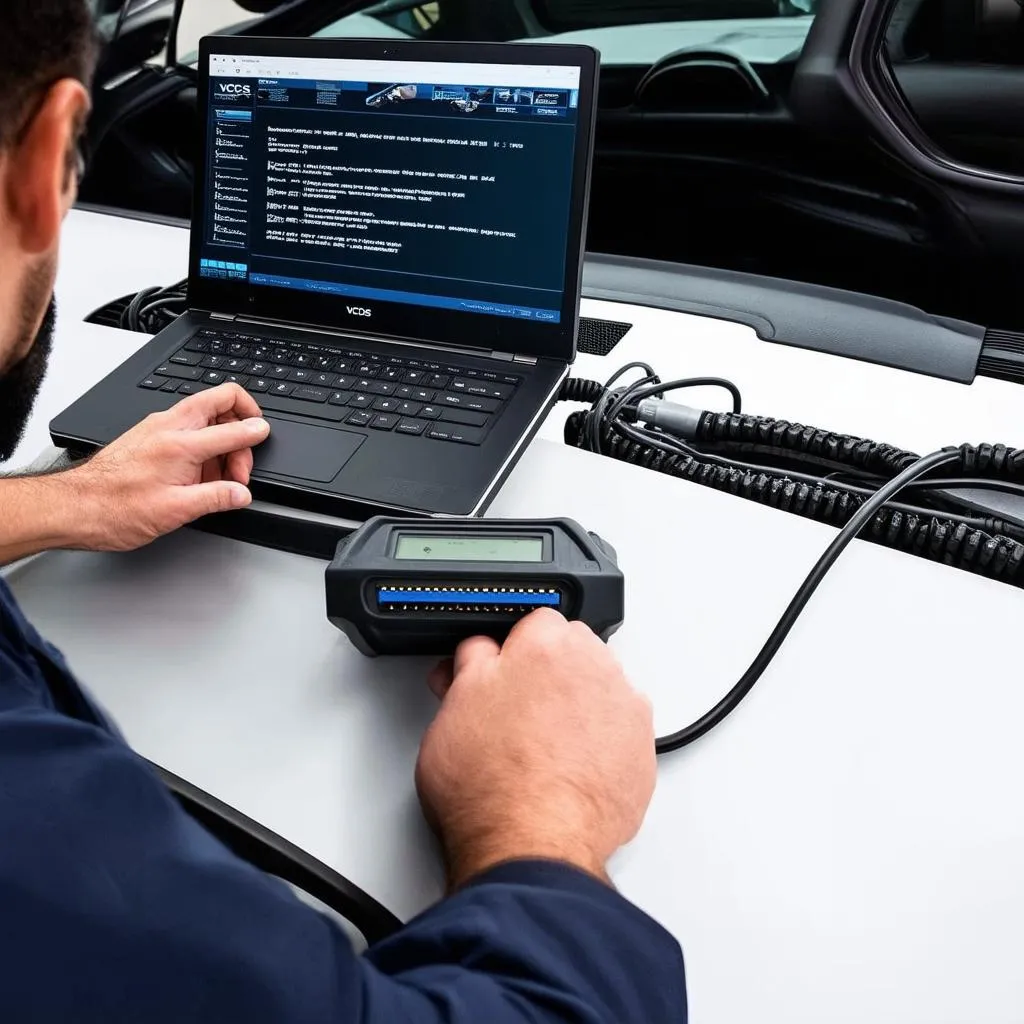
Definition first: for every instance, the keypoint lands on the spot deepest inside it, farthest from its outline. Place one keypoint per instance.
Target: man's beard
(19, 386)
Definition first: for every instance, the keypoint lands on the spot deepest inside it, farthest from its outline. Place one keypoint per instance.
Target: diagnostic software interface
(438, 185)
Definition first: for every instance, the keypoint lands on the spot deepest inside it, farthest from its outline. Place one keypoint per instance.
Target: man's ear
(40, 183)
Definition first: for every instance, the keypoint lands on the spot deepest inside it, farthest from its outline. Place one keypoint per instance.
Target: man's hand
(541, 750)
(174, 467)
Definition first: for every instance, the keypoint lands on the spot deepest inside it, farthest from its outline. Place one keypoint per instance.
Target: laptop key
(237, 378)
(438, 380)
(360, 401)
(430, 412)
(453, 432)
(414, 377)
(153, 383)
(301, 376)
(409, 408)
(412, 427)
(464, 417)
(480, 404)
(323, 380)
(186, 359)
(307, 410)
(384, 422)
(387, 405)
(279, 372)
(179, 372)
(360, 419)
(282, 389)
(258, 385)
(190, 387)
(171, 386)
(213, 377)
(340, 398)
(310, 395)
(472, 387)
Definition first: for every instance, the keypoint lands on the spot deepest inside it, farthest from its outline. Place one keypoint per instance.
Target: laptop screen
(400, 188)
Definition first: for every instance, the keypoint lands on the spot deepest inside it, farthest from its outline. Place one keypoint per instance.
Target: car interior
(718, 143)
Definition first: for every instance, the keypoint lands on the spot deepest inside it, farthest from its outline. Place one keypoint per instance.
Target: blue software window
(446, 186)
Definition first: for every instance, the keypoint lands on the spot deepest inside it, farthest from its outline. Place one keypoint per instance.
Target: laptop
(387, 252)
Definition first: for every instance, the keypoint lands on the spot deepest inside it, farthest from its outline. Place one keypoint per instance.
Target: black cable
(275, 856)
(654, 390)
(641, 436)
(976, 483)
(130, 317)
(601, 406)
(153, 309)
(732, 700)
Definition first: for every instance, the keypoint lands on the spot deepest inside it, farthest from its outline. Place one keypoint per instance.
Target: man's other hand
(541, 750)
(174, 467)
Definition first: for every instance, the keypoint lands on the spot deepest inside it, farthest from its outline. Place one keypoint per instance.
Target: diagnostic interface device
(400, 587)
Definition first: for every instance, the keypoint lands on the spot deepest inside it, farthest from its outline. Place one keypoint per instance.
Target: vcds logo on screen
(238, 90)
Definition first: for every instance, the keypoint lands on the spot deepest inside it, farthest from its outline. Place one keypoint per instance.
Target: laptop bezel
(474, 331)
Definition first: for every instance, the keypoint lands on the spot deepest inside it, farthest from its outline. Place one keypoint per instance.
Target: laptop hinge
(223, 316)
(525, 360)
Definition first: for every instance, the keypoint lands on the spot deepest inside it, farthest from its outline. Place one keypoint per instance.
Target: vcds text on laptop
(387, 252)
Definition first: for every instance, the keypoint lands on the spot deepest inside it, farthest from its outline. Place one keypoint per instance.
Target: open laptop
(387, 252)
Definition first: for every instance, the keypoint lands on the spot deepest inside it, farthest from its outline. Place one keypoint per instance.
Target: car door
(937, 85)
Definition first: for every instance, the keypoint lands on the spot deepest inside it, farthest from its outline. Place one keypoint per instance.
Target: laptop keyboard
(410, 397)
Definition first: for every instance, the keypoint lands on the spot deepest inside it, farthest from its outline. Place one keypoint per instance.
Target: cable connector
(683, 421)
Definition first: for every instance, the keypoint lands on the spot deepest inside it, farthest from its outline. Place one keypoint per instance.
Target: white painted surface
(846, 848)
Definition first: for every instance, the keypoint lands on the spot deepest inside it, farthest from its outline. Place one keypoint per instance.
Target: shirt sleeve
(119, 908)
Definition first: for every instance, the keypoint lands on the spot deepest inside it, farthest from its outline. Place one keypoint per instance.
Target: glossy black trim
(469, 330)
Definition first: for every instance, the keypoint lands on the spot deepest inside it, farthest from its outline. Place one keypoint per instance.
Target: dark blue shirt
(115, 906)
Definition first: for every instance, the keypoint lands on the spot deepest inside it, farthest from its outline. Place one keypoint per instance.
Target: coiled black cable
(985, 545)
(153, 309)
(761, 434)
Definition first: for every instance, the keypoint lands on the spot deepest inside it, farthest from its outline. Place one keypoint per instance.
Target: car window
(205, 17)
(637, 32)
(960, 70)
(625, 31)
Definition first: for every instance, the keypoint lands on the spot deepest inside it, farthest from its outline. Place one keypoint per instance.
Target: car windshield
(625, 31)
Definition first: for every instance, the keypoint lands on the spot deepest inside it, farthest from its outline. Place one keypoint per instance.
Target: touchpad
(308, 453)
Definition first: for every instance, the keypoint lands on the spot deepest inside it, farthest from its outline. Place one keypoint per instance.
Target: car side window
(960, 69)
